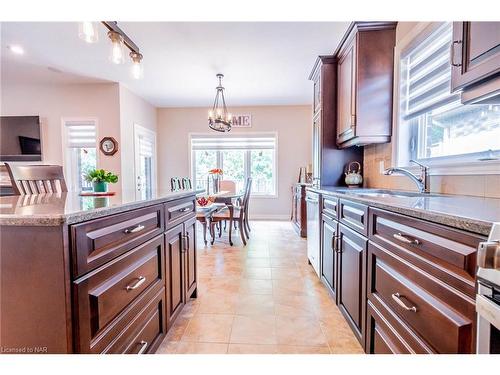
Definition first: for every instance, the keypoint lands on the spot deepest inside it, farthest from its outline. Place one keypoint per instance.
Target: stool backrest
(36, 179)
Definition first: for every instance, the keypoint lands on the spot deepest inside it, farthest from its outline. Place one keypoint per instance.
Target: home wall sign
(242, 121)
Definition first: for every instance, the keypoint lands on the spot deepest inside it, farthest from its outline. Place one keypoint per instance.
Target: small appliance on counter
(488, 294)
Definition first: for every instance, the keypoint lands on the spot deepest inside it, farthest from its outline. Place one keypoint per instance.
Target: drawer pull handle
(135, 229)
(186, 209)
(140, 280)
(397, 298)
(404, 238)
(144, 345)
(185, 246)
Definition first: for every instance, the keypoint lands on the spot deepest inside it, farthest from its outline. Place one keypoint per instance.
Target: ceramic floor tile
(256, 286)
(252, 349)
(186, 347)
(299, 331)
(255, 304)
(256, 329)
(291, 349)
(209, 328)
(260, 273)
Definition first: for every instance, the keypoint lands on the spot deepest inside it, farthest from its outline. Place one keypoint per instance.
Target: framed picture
(242, 121)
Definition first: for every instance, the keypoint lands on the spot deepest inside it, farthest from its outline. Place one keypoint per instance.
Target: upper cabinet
(365, 71)
(475, 59)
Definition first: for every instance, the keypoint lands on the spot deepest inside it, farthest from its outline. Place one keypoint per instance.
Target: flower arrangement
(100, 179)
(216, 171)
(202, 201)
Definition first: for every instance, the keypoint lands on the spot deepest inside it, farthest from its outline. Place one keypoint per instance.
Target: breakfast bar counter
(94, 274)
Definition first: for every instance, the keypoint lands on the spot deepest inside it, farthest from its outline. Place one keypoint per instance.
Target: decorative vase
(100, 187)
(215, 182)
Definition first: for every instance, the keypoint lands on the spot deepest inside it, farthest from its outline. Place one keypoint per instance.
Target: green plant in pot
(100, 179)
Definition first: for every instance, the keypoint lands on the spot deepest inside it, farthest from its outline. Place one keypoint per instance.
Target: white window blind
(145, 147)
(80, 134)
(249, 142)
(426, 72)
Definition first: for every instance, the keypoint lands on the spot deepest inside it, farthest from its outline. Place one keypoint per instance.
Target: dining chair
(36, 179)
(228, 185)
(175, 184)
(186, 183)
(238, 215)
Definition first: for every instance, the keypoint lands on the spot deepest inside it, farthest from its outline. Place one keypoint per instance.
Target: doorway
(145, 162)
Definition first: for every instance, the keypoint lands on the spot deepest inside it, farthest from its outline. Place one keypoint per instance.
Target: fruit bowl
(205, 201)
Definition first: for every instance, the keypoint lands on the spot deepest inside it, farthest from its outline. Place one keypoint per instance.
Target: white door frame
(148, 133)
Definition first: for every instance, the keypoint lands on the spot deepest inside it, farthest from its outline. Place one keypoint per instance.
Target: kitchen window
(239, 157)
(80, 152)
(433, 126)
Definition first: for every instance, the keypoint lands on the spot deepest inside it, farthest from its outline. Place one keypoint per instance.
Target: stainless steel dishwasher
(313, 238)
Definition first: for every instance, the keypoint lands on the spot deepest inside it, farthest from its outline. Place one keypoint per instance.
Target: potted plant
(100, 179)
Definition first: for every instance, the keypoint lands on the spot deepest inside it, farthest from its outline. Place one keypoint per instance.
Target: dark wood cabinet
(475, 53)
(351, 291)
(299, 209)
(329, 161)
(329, 254)
(175, 261)
(190, 257)
(365, 72)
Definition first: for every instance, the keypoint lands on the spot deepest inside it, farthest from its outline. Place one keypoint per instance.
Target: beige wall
(292, 123)
(133, 110)
(477, 185)
(55, 102)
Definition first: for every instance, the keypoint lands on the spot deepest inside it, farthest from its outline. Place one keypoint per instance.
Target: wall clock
(109, 146)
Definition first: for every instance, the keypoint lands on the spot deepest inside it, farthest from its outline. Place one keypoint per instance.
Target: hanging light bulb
(137, 68)
(88, 32)
(117, 55)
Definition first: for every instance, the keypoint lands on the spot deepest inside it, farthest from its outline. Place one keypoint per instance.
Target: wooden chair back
(175, 184)
(36, 179)
(186, 183)
(228, 185)
(246, 194)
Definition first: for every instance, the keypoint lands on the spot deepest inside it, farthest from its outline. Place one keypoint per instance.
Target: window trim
(247, 165)
(466, 164)
(64, 144)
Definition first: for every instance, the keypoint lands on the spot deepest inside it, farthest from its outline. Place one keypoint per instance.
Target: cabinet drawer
(440, 315)
(98, 241)
(330, 207)
(145, 331)
(104, 293)
(447, 253)
(386, 334)
(178, 211)
(354, 215)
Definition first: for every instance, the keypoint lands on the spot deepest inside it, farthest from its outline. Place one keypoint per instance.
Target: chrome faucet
(422, 182)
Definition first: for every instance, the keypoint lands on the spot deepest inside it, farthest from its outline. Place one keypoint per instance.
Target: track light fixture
(88, 31)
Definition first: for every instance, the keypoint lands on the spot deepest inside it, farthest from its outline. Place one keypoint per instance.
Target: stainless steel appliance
(313, 225)
(488, 294)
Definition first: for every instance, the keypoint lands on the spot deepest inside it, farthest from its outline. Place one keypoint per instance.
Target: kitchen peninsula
(94, 274)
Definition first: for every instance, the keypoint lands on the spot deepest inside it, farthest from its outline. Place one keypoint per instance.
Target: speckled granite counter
(70, 208)
(473, 214)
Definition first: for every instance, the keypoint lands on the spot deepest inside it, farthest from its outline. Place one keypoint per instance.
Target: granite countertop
(473, 214)
(59, 208)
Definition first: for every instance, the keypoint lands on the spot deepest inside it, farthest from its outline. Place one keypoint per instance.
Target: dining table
(223, 199)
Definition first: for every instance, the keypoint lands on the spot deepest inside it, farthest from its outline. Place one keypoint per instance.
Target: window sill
(458, 167)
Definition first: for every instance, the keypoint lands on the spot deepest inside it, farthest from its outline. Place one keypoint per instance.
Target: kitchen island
(94, 274)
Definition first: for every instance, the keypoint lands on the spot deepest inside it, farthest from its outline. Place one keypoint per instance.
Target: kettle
(353, 175)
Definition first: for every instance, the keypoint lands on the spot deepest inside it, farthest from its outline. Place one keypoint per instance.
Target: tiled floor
(262, 298)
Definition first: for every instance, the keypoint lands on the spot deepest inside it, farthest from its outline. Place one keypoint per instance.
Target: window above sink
(431, 124)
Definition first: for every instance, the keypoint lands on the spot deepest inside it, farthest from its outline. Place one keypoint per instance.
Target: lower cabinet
(175, 263)
(190, 257)
(351, 291)
(329, 254)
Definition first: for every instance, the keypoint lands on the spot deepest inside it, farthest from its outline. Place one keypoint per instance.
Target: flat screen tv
(20, 138)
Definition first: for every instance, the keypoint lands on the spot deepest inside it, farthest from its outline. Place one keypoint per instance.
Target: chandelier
(218, 117)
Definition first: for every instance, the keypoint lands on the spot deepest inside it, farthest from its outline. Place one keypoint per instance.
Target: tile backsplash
(475, 185)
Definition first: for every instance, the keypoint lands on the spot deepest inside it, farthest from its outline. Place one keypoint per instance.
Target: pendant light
(117, 55)
(137, 69)
(88, 32)
(218, 117)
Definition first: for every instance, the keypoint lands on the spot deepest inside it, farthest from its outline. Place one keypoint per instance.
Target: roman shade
(247, 142)
(80, 134)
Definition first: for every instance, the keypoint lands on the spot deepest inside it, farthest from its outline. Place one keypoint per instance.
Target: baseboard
(269, 217)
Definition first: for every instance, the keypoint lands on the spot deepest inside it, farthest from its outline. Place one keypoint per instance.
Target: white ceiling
(263, 63)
